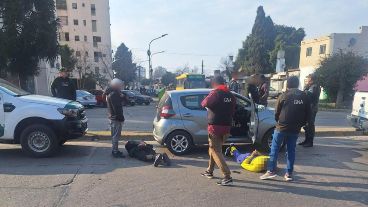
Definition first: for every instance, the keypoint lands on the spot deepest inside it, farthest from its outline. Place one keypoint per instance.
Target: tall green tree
(68, 60)
(168, 78)
(28, 34)
(254, 57)
(287, 39)
(339, 73)
(123, 64)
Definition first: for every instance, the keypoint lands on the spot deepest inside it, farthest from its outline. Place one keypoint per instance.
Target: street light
(150, 55)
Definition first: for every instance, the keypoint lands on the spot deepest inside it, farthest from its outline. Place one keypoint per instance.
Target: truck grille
(81, 113)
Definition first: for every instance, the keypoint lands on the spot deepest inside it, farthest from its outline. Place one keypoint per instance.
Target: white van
(39, 123)
(359, 114)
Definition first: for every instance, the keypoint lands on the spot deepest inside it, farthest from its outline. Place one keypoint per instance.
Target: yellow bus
(190, 81)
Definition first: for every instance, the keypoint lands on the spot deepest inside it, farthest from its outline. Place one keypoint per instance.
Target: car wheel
(179, 142)
(132, 104)
(147, 103)
(39, 141)
(267, 141)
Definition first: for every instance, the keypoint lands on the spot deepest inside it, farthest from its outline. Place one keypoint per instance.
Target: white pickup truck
(359, 114)
(39, 123)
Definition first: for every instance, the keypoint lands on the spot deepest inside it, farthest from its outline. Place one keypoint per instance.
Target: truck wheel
(39, 140)
(179, 142)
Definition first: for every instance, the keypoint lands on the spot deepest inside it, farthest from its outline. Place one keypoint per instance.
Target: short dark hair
(263, 77)
(292, 82)
(312, 76)
(218, 80)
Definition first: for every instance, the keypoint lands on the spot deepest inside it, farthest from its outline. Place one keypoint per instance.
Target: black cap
(292, 82)
(218, 80)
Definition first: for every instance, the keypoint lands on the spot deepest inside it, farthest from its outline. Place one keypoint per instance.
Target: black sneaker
(117, 154)
(158, 160)
(166, 159)
(225, 182)
(207, 174)
(302, 143)
(308, 145)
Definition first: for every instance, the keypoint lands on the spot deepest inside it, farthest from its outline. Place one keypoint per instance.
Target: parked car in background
(86, 99)
(273, 93)
(181, 121)
(100, 97)
(40, 124)
(359, 115)
(130, 98)
(141, 99)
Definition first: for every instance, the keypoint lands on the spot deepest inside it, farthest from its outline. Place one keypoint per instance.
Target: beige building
(85, 27)
(312, 51)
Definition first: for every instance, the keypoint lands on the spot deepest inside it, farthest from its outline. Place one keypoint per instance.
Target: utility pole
(202, 68)
(150, 56)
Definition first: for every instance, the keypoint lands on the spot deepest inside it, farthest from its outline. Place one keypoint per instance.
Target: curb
(147, 136)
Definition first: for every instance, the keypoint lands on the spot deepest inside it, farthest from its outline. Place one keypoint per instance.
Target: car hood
(46, 100)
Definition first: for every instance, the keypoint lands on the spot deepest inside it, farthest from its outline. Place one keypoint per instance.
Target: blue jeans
(277, 140)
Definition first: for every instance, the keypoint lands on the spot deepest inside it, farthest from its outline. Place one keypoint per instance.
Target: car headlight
(68, 112)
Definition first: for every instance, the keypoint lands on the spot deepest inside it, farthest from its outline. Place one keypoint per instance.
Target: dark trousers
(310, 129)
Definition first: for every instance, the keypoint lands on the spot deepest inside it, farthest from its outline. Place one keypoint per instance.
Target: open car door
(253, 124)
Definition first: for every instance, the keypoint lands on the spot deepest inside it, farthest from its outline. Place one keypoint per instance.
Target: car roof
(189, 91)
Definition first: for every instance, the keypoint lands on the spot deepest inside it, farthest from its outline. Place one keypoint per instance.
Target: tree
(227, 65)
(123, 64)
(68, 60)
(287, 39)
(28, 34)
(253, 57)
(339, 73)
(158, 72)
(168, 78)
(145, 82)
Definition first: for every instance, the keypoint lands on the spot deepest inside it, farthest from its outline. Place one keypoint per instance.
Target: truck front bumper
(69, 128)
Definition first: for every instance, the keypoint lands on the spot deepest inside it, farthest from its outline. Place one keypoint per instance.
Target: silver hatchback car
(181, 121)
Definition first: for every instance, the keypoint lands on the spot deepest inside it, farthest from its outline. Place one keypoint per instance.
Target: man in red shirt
(220, 105)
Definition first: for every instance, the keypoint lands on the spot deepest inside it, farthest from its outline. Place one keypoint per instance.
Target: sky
(209, 30)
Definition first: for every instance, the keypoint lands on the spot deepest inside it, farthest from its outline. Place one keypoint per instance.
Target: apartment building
(85, 27)
(312, 51)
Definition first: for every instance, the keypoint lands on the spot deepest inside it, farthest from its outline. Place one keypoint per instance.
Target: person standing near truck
(63, 86)
(313, 92)
(220, 105)
(263, 90)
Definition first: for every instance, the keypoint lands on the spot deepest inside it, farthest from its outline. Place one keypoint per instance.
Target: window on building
(86, 53)
(63, 20)
(97, 70)
(97, 56)
(93, 9)
(77, 53)
(309, 51)
(83, 5)
(85, 38)
(74, 6)
(96, 40)
(322, 49)
(76, 38)
(94, 25)
(75, 21)
(61, 4)
(84, 22)
(66, 36)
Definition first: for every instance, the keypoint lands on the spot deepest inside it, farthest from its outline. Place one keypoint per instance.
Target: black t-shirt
(64, 88)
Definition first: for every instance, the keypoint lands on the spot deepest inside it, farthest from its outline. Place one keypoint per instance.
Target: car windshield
(83, 93)
(12, 89)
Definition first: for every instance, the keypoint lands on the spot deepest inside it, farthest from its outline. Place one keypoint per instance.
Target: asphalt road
(333, 173)
(139, 118)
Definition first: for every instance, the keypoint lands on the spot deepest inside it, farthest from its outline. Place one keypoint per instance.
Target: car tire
(267, 141)
(179, 142)
(147, 103)
(132, 104)
(39, 140)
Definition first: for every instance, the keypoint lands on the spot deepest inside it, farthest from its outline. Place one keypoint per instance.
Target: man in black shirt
(252, 90)
(313, 91)
(63, 86)
(234, 85)
(291, 114)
